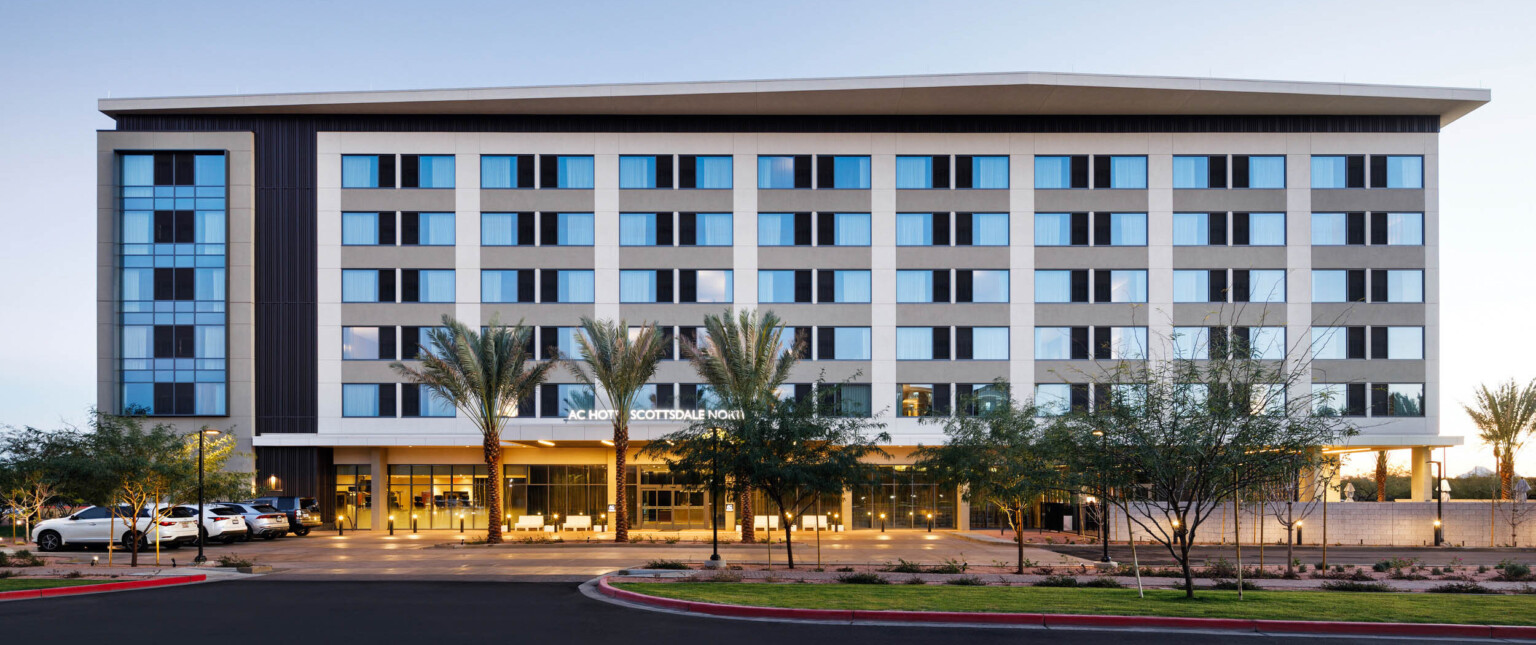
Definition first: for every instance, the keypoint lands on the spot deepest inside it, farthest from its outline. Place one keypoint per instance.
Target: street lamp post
(714, 503)
(202, 530)
(1439, 504)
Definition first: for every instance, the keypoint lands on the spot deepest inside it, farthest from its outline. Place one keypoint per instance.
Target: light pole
(714, 503)
(1103, 515)
(1439, 504)
(202, 530)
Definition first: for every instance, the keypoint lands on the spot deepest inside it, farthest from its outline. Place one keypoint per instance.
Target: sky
(58, 58)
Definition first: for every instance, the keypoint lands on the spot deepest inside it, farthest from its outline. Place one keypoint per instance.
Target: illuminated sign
(657, 415)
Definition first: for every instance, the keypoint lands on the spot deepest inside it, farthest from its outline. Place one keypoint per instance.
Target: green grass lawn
(22, 584)
(1272, 605)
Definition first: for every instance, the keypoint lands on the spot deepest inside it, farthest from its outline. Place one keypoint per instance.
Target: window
(782, 172)
(1053, 286)
(712, 286)
(1053, 399)
(1127, 343)
(426, 229)
(1263, 229)
(915, 229)
(1329, 286)
(643, 229)
(1061, 172)
(426, 285)
(645, 172)
(1127, 285)
(422, 401)
(710, 173)
(850, 344)
(367, 343)
(1266, 285)
(1329, 229)
(366, 171)
(1328, 399)
(1403, 343)
(987, 344)
(1267, 343)
(843, 172)
(573, 397)
(506, 286)
(1191, 343)
(918, 172)
(984, 286)
(708, 229)
(426, 171)
(1127, 172)
(1054, 229)
(362, 285)
(1402, 229)
(362, 229)
(914, 286)
(922, 343)
(844, 286)
(847, 229)
(506, 229)
(1330, 343)
(1267, 399)
(367, 400)
(1401, 286)
(1192, 229)
(987, 229)
(566, 341)
(851, 399)
(569, 229)
(917, 399)
(1403, 400)
(1054, 344)
(1128, 229)
(1397, 171)
(640, 286)
(784, 229)
(774, 287)
(416, 341)
(1338, 171)
(568, 286)
(1192, 172)
(567, 172)
(1258, 172)
(506, 171)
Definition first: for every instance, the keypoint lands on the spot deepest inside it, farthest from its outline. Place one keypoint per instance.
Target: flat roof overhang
(1020, 93)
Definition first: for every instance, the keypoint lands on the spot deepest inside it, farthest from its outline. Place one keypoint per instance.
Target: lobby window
(1338, 171)
(922, 172)
(645, 171)
(426, 229)
(1397, 343)
(981, 285)
(922, 229)
(367, 229)
(367, 343)
(842, 229)
(1199, 229)
(1258, 285)
(1258, 171)
(1258, 229)
(1397, 229)
(922, 343)
(368, 285)
(422, 401)
(705, 286)
(426, 171)
(368, 399)
(784, 172)
(1061, 229)
(507, 229)
(565, 229)
(645, 286)
(426, 285)
(1061, 172)
(923, 399)
(1191, 343)
(558, 171)
(842, 172)
(1129, 285)
(645, 229)
(506, 285)
(1061, 343)
(506, 171)
(842, 286)
(1338, 229)
(922, 285)
(784, 286)
(981, 229)
(842, 343)
(1061, 286)
(1397, 399)
(566, 286)
(1200, 171)
(981, 343)
(704, 172)
(367, 171)
(1393, 171)
(1120, 172)
(1397, 285)
(705, 229)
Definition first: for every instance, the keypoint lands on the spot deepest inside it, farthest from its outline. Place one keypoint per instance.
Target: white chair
(578, 523)
(529, 523)
(813, 523)
(760, 522)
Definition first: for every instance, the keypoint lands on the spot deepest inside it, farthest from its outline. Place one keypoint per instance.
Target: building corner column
(1422, 483)
(378, 488)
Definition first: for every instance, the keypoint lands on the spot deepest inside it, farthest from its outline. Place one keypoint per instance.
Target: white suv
(220, 524)
(95, 525)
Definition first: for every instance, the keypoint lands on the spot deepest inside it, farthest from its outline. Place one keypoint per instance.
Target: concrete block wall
(1469, 523)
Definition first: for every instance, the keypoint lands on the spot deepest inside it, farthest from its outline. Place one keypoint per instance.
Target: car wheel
(301, 531)
(49, 541)
(268, 535)
(228, 539)
(245, 537)
(127, 542)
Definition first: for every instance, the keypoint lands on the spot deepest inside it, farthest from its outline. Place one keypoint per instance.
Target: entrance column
(378, 488)
(962, 510)
(1422, 483)
(846, 512)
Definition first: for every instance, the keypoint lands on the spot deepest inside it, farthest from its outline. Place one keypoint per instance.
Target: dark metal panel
(300, 470)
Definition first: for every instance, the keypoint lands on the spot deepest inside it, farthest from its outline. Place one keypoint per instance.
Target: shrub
(6, 573)
(904, 566)
(914, 580)
(950, 565)
(22, 558)
(863, 579)
(966, 581)
(1399, 575)
(672, 540)
(718, 576)
(1514, 572)
(1351, 585)
(1435, 571)
(666, 564)
(845, 569)
(1482, 568)
(233, 561)
(1219, 568)
(1103, 582)
(1460, 587)
(1339, 568)
(75, 574)
(1231, 585)
(1057, 580)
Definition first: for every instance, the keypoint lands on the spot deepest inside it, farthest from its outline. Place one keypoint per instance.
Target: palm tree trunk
(1506, 473)
(744, 504)
(621, 475)
(1381, 476)
(493, 505)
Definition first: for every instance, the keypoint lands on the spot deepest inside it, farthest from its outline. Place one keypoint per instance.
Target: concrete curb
(169, 581)
(1420, 630)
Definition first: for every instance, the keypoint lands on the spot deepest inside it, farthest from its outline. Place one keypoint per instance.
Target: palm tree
(1504, 415)
(1381, 475)
(744, 362)
(485, 375)
(620, 364)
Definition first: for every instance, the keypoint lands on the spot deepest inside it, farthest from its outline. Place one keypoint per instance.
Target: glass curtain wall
(554, 491)
(438, 496)
(353, 496)
(906, 496)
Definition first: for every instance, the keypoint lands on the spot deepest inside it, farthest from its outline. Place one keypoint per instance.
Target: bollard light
(391, 525)
(1299, 539)
(882, 522)
(461, 522)
(341, 528)
(413, 522)
(930, 522)
(1439, 533)
(95, 559)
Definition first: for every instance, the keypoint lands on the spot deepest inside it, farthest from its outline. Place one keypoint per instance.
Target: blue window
(1266, 229)
(575, 229)
(1330, 172)
(989, 343)
(208, 284)
(567, 341)
(776, 286)
(637, 286)
(360, 229)
(914, 172)
(1053, 343)
(1330, 343)
(1191, 286)
(850, 286)
(638, 172)
(914, 286)
(1191, 343)
(713, 173)
(1404, 343)
(914, 229)
(914, 343)
(361, 285)
(850, 229)
(574, 286)
(1405, 229)
(849, 172)
(775, 172)
(851, 343)
(1128, 229)
(776, 229)
(1330, 229)
(575, 397)
(498, 229)
(573, 172)
(638, 229)
(713, 229)
(1266, 172)
(1405, 172)
(1128, 285)
(138, 170)
(1053, 399)
(360, 171)
(1266, 285)
(436, 285)
(435, 229)
(1128, 172)
(1191, 229)
(361, 343)
(208, 170)
(1192, 172)
(1267, 343)
(989, 172)
(989, 229)
(1053, 229)
(431, 404)
(436, 171)
(1330, 285)
(1405, 286)
(1053, 286)
(498, 171)
(714, 286)
(989, 286)
(360, 399)
(498, 286)
(1053, 172)
(1127, 343)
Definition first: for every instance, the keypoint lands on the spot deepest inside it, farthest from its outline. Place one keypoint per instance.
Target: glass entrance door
(673, 508)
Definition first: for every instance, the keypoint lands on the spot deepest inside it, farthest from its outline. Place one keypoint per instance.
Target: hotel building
(264, 258)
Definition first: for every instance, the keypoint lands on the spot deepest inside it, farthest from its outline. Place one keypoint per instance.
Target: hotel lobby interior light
(546, 442)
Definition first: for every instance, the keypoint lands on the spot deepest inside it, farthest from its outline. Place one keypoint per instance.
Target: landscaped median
(27, 588)
(1417, 614)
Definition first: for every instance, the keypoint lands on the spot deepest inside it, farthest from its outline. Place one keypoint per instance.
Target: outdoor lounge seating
(578, 523)
(529, 523)
(761, 522)
(814, 523)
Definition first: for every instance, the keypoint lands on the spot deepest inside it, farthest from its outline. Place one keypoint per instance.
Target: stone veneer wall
(1466, 523)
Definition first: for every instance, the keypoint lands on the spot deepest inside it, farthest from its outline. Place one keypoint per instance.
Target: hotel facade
(263, 259)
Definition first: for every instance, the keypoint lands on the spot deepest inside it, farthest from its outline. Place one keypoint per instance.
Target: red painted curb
(99, 588)
(1076, 620)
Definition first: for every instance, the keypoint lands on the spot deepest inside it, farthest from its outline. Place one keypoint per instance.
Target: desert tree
(1504, 416)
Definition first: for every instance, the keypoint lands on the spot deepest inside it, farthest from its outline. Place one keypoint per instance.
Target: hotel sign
(657, 415)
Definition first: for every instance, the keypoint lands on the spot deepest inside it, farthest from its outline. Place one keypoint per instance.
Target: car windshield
(308, 504)
(224, 510)
(181, 511)
(265, 508)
